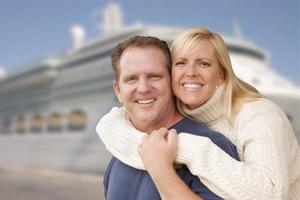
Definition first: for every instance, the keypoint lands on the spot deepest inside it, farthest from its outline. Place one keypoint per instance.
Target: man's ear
(117, 90)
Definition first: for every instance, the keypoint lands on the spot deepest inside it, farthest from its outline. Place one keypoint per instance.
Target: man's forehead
(135, 51)
(149, 60)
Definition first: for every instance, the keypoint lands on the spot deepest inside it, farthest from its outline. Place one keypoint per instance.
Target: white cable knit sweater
(270, 156)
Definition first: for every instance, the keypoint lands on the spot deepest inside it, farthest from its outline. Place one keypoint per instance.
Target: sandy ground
(41, 184)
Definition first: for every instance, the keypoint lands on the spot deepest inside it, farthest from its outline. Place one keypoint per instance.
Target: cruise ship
(49, 108)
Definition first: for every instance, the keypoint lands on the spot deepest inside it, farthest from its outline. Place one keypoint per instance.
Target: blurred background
(56, 78)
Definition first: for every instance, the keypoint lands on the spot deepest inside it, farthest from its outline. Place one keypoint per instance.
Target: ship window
(6, 126)
(37, 122)
(77, 121)
(21, 124)
(54, 122)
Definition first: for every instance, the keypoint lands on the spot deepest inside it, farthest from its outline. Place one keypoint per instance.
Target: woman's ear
(221, 78)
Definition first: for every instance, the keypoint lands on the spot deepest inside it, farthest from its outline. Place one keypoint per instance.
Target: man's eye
(155, 77)
(130, 79)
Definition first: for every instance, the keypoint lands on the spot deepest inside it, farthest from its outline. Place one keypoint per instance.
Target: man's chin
(145, 118)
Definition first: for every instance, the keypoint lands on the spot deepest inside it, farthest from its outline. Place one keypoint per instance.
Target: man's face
(144, 87)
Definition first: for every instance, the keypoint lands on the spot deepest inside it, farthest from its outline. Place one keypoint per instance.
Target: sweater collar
(210, 111)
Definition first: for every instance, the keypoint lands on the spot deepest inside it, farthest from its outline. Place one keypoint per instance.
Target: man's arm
(162, 172)
(170, 185)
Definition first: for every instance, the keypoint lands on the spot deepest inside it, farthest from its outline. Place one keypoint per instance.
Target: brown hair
(141, 42)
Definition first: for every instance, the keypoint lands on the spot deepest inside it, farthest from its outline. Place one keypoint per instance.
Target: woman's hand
(158, 150)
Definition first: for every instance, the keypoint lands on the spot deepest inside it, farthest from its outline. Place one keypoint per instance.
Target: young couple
(219, 138)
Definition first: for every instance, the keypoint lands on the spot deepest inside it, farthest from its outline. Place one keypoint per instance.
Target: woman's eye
(179, 63)
(204, 64)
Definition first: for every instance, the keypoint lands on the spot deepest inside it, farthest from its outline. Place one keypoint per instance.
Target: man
(141, 67)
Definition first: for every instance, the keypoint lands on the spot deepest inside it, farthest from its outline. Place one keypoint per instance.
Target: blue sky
(33, 29)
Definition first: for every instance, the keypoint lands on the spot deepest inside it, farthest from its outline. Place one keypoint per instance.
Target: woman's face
(195, 74)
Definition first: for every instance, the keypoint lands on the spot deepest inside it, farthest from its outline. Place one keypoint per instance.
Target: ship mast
(112, 17)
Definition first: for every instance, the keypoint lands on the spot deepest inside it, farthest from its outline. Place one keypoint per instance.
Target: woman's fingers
(159, 134)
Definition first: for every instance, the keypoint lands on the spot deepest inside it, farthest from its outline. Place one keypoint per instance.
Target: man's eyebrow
(129, 76)
(155, 74)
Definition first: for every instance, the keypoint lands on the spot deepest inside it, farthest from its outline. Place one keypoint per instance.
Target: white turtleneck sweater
(270, 156)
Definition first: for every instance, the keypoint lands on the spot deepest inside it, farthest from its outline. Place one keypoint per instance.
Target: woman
(208, 91)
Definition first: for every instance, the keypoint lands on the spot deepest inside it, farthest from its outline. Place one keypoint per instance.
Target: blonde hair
(237, 92)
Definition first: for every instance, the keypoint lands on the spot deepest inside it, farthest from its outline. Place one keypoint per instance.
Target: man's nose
(143, 86)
